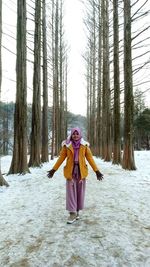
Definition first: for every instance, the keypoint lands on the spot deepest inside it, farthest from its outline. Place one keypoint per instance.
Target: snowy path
(114, 229)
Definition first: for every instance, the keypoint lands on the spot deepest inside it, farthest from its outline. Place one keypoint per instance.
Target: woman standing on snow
(76, 150)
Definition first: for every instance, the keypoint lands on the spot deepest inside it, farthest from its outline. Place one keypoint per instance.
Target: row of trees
(7, 126)
(111, 75)
(141, 125)
(49, 71)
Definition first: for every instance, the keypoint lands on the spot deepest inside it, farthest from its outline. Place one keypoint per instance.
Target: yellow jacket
(67, 153)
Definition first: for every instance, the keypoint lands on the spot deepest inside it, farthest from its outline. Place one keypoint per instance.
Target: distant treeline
(7, 125)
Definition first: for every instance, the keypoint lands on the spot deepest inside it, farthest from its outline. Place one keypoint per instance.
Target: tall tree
(53, 82)
(19, 159)
(61, 84)
(116, 118)
(56, 95)
(88, 96)
(106, 115)
(99, 85)
(35, 159)
(89, 93)
(65, 94)
(55, 75)
(44, 152)
(128, 151)
(92, 72)
(93, 84)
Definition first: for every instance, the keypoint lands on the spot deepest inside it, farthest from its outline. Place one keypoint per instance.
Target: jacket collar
(83, 142)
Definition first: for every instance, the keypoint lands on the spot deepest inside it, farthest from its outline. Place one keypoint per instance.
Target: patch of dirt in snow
(21, 263)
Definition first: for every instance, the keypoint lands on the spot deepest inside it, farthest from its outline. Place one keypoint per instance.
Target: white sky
(74, 31)
(113, 230)
(76, 38)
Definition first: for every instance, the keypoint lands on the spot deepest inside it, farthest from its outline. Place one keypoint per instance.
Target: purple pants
(75, 191)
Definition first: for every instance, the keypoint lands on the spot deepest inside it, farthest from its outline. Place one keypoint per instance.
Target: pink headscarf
(69, 138)
(75, 144)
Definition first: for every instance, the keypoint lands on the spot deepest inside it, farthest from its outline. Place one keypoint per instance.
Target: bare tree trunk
(66, 96)
(116, 119)
(56, 95)
(44, 156)
(88, 98)
(56, 81)
(91, 79)
(5, 132)
(106, 115)
(53, 101)
(99, 95)
(103, 86)
(19, 159)
(128, 152)
(61, 63)
(35, 159)
(94, 148)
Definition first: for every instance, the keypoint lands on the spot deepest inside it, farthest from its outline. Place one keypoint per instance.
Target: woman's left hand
(99, 175)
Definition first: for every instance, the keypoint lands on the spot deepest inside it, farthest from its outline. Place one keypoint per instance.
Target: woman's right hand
(50, 173)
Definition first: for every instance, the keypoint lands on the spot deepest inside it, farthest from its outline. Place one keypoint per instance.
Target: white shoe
(72, 218)
(77, 216)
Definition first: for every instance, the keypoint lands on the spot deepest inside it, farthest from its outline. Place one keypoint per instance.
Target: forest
(117, 57)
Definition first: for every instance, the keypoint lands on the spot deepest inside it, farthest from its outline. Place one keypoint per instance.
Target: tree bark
(56, 81)
(128, 150)
(116, 118)
(106, 115)
(61, 63)
(19, 159)
(99, 95)
(44, 152)
(53, 101)
(35, 159)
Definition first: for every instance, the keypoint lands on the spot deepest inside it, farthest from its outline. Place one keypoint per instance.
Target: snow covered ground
(113, 231)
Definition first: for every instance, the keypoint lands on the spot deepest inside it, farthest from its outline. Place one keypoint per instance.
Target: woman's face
(75, 136)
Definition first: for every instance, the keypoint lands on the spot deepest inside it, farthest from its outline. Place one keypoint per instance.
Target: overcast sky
(75, 35)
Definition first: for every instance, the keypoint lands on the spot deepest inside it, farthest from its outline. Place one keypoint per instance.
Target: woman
(76, 150)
